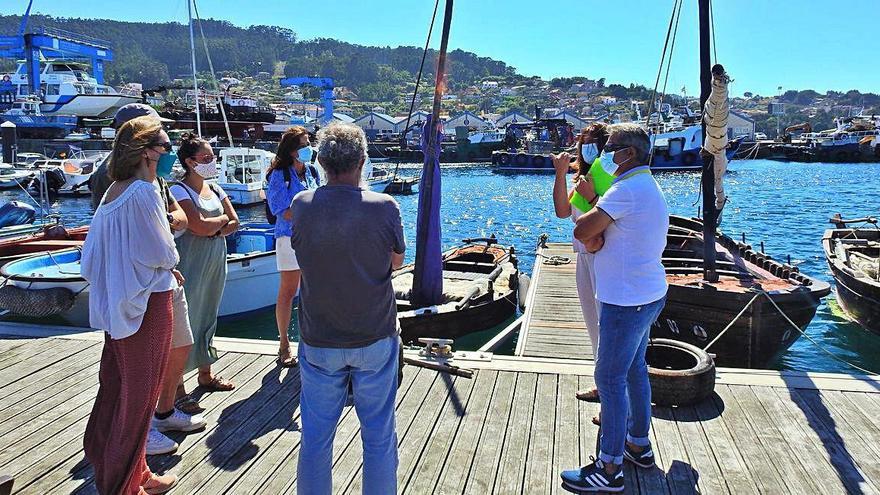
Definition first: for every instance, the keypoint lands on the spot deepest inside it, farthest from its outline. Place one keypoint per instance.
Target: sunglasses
(165, 146)
(204, 158)
(615, 147)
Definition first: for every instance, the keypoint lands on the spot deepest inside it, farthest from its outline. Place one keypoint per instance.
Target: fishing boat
(480, 282)
(11, 177)
(243, 174)
(698, 311)
(678, 150)
(379, 178)
(30, 122)
(50, 238)
(853, 256)
(252, 278)
(69, 89)
(78, 169)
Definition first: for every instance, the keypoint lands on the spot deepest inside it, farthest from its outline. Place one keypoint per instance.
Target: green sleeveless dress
(203, 265)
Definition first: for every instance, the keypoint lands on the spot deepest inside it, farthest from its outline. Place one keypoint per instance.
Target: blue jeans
(622, 376)
(326, 374)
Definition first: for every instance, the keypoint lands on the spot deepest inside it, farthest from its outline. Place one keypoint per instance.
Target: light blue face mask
(589, 152)
(305, 154)
(165, 164)
(607, 162)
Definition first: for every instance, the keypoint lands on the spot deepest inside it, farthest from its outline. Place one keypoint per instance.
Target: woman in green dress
(202, 249)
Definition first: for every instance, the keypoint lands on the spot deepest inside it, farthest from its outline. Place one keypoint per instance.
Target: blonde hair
(131, 139)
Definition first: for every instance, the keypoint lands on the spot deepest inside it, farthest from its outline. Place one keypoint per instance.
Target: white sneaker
(180, 421)
(158, 443)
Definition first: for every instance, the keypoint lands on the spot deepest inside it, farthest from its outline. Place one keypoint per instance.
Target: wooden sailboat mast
(710, 215)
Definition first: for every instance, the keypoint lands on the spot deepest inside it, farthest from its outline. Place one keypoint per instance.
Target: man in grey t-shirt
(347, 241)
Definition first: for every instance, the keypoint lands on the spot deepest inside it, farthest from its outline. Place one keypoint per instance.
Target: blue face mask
(165, 164)
(589, 152)
(607, 162)
(304, 154)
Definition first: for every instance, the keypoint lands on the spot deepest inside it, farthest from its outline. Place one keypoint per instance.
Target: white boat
(11, 177)
(252, 277)
(379, 179)
(68, 88)
(243, 174)
(78, 169)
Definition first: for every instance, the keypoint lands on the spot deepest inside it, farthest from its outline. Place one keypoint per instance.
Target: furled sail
(715, 115)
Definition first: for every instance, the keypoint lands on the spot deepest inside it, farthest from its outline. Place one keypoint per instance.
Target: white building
(490, 84)
(375, 123)
(740, 124)
(512, 118)
(573, 119)
(467, 119)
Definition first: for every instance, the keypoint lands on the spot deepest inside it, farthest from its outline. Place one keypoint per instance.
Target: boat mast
(427, 287)
(710, 215)
(192, 50)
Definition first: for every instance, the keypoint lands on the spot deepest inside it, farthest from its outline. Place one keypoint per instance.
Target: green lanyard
(640, 172)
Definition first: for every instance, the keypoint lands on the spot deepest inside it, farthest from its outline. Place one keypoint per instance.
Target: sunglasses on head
(615, 147)
(165, 146)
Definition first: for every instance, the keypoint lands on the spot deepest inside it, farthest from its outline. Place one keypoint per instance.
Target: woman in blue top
(289, 174)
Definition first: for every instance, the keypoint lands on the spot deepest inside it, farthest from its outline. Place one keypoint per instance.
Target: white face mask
(206, 170)
(589, 152)
(607, 162)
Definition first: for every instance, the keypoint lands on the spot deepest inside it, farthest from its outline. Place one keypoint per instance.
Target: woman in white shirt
(129, 260)
(210, 217)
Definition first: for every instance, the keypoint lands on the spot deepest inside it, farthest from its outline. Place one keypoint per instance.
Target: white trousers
(586, 287)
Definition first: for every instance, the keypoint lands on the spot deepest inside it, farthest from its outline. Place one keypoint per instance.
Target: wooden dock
(553, 324)
(510, 430)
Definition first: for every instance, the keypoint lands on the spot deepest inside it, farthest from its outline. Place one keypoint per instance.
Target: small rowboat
(50, 239)
(853, 255)
(252, 278)
(480, 282)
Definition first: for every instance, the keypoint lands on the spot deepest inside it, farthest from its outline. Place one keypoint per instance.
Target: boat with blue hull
(673, 151)
(252, 277)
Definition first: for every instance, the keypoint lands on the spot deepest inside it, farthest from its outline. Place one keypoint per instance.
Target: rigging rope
(676, 6)
(712, 25)
(793, 325)
(213, 75)
(412, 103)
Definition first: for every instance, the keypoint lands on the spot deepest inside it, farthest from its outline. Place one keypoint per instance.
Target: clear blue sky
(796, 44)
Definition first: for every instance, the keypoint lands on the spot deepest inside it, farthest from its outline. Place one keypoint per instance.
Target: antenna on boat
(710, 214)
(213, 75)
(192, 49)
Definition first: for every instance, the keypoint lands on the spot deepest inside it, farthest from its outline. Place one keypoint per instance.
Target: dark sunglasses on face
(615, 147)
(165, 146)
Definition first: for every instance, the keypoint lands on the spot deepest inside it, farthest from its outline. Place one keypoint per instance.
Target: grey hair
(341, 147)
(634, 135)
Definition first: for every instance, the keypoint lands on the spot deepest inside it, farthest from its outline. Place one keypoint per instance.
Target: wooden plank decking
(554, 324)
(510, 430)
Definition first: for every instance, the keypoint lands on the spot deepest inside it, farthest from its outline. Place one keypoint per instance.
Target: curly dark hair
(189, 145)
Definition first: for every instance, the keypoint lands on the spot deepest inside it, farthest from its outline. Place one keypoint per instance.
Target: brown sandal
(217, 384)
(188, 405)
(591, 395)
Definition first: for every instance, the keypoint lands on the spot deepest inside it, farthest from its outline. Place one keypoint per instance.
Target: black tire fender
(680, 373)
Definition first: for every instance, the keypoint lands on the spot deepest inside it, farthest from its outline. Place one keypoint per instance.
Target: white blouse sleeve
(150, 231)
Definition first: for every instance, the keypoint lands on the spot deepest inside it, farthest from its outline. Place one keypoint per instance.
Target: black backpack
(286, 170)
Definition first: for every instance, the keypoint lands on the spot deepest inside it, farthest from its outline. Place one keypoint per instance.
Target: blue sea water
(786, 205)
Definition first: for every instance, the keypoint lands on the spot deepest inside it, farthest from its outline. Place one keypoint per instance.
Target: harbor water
(785, 205)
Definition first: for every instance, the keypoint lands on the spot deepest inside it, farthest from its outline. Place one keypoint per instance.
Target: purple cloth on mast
(427, 287)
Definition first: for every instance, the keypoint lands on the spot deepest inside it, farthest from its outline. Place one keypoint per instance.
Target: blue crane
(325, 84)
(46, 42)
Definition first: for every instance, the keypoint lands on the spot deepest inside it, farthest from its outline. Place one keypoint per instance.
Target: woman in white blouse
(129, 260)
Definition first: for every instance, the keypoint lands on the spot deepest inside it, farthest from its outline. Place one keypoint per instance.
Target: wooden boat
(853, 255)
(697, 311)
(252, 277)
(480, 282)
(50, 238)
